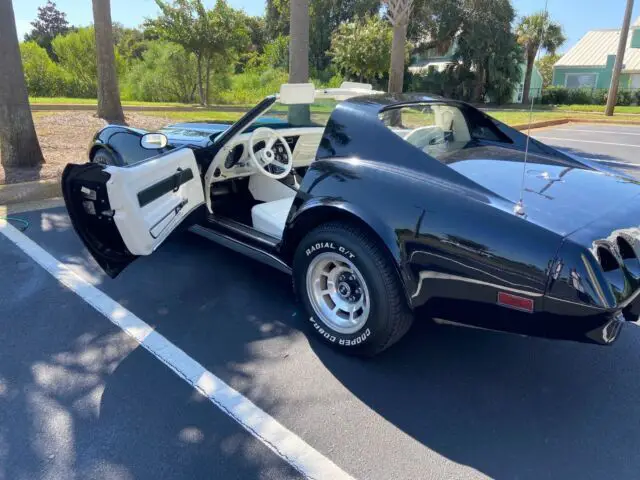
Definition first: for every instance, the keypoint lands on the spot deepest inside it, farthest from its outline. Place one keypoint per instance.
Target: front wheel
(350, 289)
(106, 158)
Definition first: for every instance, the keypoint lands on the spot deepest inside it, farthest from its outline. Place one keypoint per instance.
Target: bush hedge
(587, 96)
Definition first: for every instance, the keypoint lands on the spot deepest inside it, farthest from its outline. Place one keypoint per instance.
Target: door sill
(248, 234)
(239, 246)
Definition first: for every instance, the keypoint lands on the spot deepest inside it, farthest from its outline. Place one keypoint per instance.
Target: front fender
(124, 143)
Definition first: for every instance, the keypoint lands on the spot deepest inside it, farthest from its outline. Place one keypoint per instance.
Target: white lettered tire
(351, 292)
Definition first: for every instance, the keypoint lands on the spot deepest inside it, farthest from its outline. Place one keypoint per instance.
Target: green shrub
(251, 86)
(580, 96)
(43, 76)
(555, 96)
(166, 73)
(76, 53)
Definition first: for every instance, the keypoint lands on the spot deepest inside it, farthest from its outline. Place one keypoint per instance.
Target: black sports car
(380, 207)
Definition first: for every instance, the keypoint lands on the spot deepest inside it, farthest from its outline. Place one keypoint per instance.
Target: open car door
(121, 213)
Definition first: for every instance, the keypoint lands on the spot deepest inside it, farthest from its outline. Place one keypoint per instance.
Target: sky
(576, 16)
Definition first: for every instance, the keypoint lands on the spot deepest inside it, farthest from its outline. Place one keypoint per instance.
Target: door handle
(179, 178)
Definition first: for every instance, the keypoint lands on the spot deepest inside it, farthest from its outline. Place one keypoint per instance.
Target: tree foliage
(361, 49)
(487, 47)
(326, 16)
(130, 42)
(534, 32)
(214, 36)
(49, 23)
(545, 66)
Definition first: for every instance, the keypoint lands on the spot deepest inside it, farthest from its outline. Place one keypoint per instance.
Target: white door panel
(151, 198)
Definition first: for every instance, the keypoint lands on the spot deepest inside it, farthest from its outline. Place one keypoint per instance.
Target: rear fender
(306, 216)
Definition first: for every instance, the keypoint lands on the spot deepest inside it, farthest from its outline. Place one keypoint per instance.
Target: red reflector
(513, 301)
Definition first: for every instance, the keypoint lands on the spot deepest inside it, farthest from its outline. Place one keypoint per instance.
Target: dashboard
(233, 161)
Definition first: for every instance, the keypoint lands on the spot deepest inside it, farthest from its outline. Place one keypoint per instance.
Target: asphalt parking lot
(79, 398)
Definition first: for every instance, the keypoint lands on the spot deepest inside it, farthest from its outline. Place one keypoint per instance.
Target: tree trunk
(478, 89)
(527, 78)
(19, 146)
(398, 46)
(207, 78)
(200, 84)
(299, 57)
(109, 106)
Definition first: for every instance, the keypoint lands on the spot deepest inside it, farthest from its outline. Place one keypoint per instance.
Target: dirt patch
(65, 138)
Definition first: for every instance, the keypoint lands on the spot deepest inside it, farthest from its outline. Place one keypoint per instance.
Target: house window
(634, 82)
(581, 80)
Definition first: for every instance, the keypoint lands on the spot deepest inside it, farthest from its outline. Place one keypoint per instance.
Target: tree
(533, 32)
(49, 23)
(19, 146)
(545, 66)
(435, 24)
(215, 37)
(325, 17)
(109, 106)
(398, 12)
(130, 42)
(362, 49)
(487, 47)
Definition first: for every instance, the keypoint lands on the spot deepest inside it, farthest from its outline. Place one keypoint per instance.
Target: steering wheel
(268, 159)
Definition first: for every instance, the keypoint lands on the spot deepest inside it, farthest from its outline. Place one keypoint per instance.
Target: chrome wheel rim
(338, 293)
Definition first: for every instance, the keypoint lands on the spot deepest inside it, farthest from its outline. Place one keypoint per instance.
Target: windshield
(290, 116)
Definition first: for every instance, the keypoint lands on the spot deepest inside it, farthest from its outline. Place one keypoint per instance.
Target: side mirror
(154, 141)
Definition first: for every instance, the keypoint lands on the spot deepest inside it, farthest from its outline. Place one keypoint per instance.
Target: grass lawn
(522, 117)
(93, 101)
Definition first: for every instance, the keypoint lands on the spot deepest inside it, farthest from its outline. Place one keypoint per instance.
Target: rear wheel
(350, 289)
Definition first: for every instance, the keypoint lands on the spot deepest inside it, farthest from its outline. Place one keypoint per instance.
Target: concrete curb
(29, 191)
(542, 124)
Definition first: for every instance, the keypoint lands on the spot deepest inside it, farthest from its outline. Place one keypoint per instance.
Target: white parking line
(284, 443)
(585, 141)
(615, 132)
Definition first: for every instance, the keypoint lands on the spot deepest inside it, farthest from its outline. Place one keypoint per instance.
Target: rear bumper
(586, 326)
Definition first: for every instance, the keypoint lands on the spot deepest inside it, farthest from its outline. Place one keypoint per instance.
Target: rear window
(440, 130)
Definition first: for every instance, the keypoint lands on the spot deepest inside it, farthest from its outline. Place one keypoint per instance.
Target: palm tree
(19, 146)
(398, 12)
(533, 32)
(299, 56)
(109, 106)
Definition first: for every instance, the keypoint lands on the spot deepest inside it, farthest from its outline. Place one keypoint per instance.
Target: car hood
(561, 195)
(200, 134)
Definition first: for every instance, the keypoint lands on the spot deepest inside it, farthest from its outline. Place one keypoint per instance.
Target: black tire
(389, 315)
(105, 157)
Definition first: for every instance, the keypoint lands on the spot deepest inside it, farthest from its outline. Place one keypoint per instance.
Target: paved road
(78, 398)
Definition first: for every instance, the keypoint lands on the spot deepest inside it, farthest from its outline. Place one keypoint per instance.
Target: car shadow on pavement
(507, 406)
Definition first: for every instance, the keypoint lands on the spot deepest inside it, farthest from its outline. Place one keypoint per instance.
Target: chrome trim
(241, 247)
(445, 276)
(594, 281)
(581, 305)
